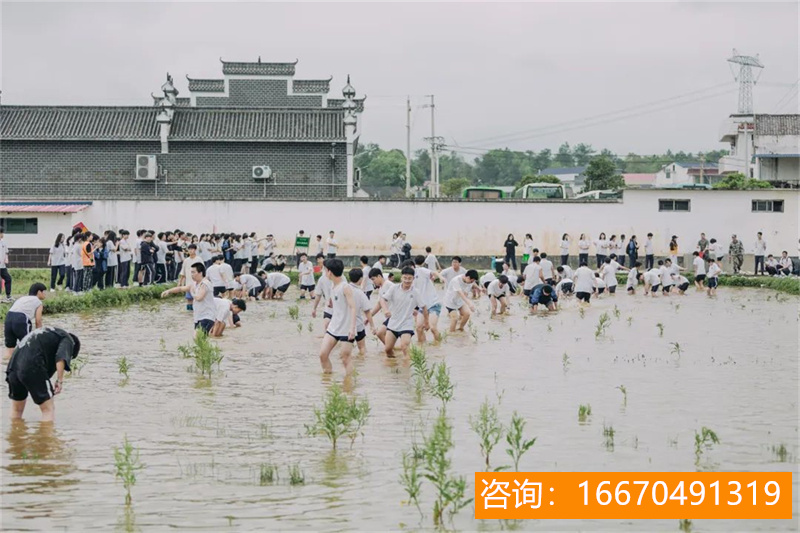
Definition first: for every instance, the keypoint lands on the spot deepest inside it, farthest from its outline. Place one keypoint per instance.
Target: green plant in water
(602, 324)
(781, 453)
(123, 366)
(441, 386)
(268, 474)
(565, 361)
(685, 525)
(419, 365)
(473, 330)
(163, 344)
(205, 353)
(549, 328)
(488, 428)
(77, 365)
(584, 411)
(296, 475)
(676, 349)
(273, 315)
(630, 320)
(310, 327)
(608, 434)
(517, 445)
(582, 312)
(451, 490)
(493, 336)
(616, 312)
(126, 461)
(411, 479)
(339, 416)
(624, 392)
(703, 440)
(294, 312)
(660, 327)
(299, 328)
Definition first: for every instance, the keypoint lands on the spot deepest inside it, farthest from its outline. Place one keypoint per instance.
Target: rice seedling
(617, 312)
(660, 327)
(205, 353)
(677, 307)
(493, 336)
(511, 333)
(419, 365)
(781, 453)
(584, 411)
(608, 434)
(77, 365)
(451, 490)
(565, 361)
(265, 431)
(294, 312)
(549, 328)
(126, 461)
(676, 349)
(273, 315)
(339, 416)
(624, 392)
(310, 327)
(488, 428)
(672, 442)
(602, 325)
(703, 440)
(473, 330)
(296, 475)
(630, 320)
(685, 525)
(410, 478)
(442, 386)
(582, 312)
(517, 445)
(162, 344)
(123, 366)
(299, 328)
(268, 474)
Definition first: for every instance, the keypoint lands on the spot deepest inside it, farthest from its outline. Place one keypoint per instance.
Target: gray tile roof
(258, 68)
(195, 124)
(777, 125)
(180, 102)
(338, 102)
(311, 86)
(207, 86)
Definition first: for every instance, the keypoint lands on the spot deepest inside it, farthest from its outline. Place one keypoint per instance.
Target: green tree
(543, 159)
(544, 178)
(454, 186)
(738, 181)
(385, 168)
(602, 175)
(503, 167)
(583, 154)
(564, 156)
(454, 166)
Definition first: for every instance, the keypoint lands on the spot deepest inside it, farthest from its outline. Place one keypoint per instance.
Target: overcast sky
(496, 69)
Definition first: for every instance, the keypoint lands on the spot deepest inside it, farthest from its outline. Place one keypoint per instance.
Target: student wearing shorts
(44, 352)
(714, 270)
(24, 316)
(383, 285)
(252, 286)
(342, 327)
(215, 276)
(652, 281)
(533, 275)
(584, 283)
(543, 294)
(323, 292)
(682, 284)
(499, 292)
(423, 283)
(399, 304)
(277, 285)
(456, 301)
(305, 275)
(633, 278)
(363, 310)
(547, 269)
(366, 284)
(225, 313)
(204, 310)
(699, 270)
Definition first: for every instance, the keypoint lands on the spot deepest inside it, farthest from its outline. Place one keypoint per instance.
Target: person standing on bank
(736, 251)
(125, 256)
(632, 250)
(564, 249)
(333, 246)
(23, 317)
(44, 352)
(702, 245)
(57, 262)
(673, 250)
(583, 249)
(760, 251)
(649, 255)
(511, 250)
(4, 275)
(112, 259)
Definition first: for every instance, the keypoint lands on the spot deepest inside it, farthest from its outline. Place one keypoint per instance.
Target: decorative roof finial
(259, 59)
(349, 92)
(170, 92)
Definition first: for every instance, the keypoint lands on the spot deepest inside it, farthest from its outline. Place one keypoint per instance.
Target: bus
(541, 191)
(483, 193)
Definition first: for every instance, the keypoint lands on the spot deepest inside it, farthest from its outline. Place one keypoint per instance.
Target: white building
(732, 131)
(777, 148)
(680, 173)
(571, 177)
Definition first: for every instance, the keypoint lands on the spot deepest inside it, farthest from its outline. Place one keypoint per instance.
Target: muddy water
(202, 444)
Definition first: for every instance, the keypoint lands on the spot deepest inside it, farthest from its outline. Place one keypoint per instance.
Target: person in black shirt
(148, 258)
(511, 251)
(44, 352)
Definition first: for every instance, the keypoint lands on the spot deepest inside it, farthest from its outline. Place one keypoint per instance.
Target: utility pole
(746, 150)
(408, 146)
(702, 165)
(434, 163)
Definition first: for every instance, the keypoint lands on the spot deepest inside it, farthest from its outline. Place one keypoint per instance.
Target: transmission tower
(745, 79)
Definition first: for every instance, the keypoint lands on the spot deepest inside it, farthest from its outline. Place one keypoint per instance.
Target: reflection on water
(205, 442)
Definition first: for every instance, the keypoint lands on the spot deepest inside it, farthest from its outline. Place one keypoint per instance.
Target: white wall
(679, 176)
(454, 227)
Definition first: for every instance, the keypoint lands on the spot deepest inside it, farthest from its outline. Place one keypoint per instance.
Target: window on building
(20, 225)
(674, 205)
(768, 206)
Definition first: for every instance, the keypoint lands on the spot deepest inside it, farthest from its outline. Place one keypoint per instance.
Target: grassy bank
(787, 285)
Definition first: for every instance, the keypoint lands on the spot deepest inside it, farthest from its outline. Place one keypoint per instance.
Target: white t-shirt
(699, 266)
(204, 309)
(214, 275)
(547, 268)
(161, 254)
(332, 245)
(402, 304)
(602, 246)
(340, 322)
(223, 311)
(368, 285)
(567, 272)
(423, 284)
(682, 280)
(632, 275)
(761, 247)
(583, 247)
(249, 282)
(584, 279)
(648, 247)
(452, 299)
(226, 271)
(204, 250)
(714, 270)
(666, 276)
(528, 247)
(277, 279)
(305, 271)
(531, 274)
(653, 277)
(125, 250)
(324, 286)
(487, 278)
(449, 274)
(137, 250)
(378, 265)
(186, 268)
(430, 262)
(269, 247)
(600, 283)
(564, 247)
(497, 291)
(112, 255)
(57, 255)
(610, 273)
(362, 306)
(27, 305)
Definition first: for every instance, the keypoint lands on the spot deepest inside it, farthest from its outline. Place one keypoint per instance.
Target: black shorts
(666, 288)
(204, 324)
(585, 296)
(327, 315)
(526, 292)
(567, 288)
(220, 290)
(361, 335)
(486, 285)
(399, 334)
(601, 290)
(235, 318)
(308, 288)
(612, 289)
(369, 294)
(683, 286)
(33, 381)
(341, 338)
(700, 277)
(712, 283)
(631, 288)
(283, 288)
(16, 327)
(254, 292)
(654, 288)
(386, 322)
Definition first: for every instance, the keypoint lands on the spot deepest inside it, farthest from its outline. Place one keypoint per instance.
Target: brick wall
(195, 170)
(260, 93)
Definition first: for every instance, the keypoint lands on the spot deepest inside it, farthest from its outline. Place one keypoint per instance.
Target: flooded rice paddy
(730, 364)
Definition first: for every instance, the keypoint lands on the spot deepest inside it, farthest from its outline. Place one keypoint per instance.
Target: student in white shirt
(226, 314)
(682, 283)
(448, 274)
(379, 264)
(564, 248)
(583, 249)
(363, 310)
(633, 278)
(527, 246)
(649, 257)
(511, 274)
(499, 293)
(608, 272)
(137, 255)
(252, 286)
(204, 310)
(423, 284)
(564, 271)
(600, 284)
(584, 283)
(333, 246)
(57, 261)
(547, 269)
(383, 285)
(533, 275)
(214, 275)
(699, 270)
(652, 281)
(486, 279)
(760, 250)
(24, 316)
(305, 277)
(277, 285)
(431, 263)
(125, 258)
(365, 284)
(456, 301)
(785, 264)
(399, 304)
(342, 327)
(714, 270)
(601, 249)
(323, 292)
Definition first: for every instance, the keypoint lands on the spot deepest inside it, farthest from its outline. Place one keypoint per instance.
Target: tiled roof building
(204, 146)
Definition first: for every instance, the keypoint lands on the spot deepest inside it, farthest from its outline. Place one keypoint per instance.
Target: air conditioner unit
(357, 179)
(262, 172)
(146, 168)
